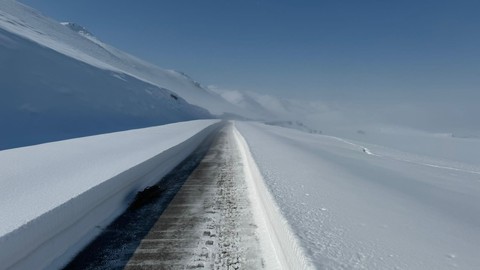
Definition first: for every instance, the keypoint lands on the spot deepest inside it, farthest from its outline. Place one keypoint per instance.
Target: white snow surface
(55, 196)
(353, 207)
(275, 233)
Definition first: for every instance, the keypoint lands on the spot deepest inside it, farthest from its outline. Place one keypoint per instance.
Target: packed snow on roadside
(54, 196)
(351, 207)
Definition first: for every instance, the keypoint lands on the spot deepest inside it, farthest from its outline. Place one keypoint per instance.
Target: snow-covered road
(353, 210)
(210, 223)
(213, 222)
(263, 197)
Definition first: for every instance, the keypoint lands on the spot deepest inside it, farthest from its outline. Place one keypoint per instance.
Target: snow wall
(52, 239)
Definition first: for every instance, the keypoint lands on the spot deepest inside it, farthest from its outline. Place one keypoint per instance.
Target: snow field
(56, 197)
(275, 234)
(352, 210)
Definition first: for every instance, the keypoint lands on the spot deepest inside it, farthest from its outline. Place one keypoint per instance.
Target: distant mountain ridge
(271, 108)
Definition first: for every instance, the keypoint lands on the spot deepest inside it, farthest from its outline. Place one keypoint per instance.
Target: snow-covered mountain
(65, 38)
(59, 81)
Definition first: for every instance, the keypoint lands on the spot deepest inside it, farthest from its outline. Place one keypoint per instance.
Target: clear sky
(330, 50)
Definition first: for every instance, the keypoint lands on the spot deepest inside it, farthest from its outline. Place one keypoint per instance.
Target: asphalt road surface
(201, 219)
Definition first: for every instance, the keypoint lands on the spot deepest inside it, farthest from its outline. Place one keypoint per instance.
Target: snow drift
(55, 195)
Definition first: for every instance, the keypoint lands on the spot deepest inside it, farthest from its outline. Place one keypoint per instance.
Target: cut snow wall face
(55, 236)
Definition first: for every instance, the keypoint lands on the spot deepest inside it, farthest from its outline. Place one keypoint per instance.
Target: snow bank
(351, 210)
(54, 196)
(287, 250)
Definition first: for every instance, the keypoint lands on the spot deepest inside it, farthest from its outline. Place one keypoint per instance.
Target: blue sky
(327, 50)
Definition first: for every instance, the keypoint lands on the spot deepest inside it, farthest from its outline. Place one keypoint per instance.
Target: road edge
(288, 251)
